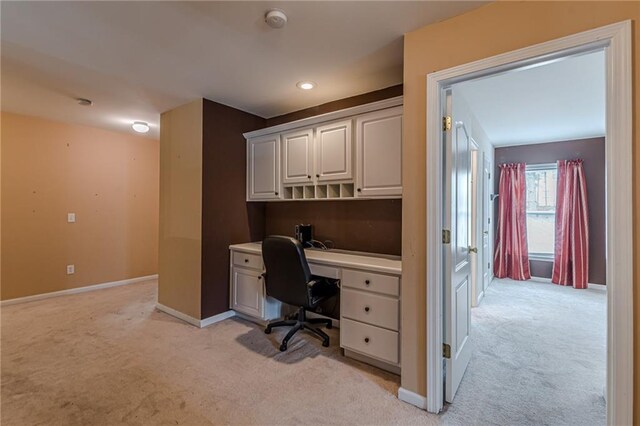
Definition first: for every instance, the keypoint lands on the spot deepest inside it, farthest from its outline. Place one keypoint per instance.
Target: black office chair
(289, 280)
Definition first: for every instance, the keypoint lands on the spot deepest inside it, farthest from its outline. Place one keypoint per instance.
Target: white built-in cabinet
(297, 156)
(379, 153)
(263, 160)
(334, 149)
(349, 154)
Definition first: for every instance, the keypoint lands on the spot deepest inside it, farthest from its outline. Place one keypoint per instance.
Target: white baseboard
(217, 318)
(599, 287)
(77, 290)
(194, 321)
(412, 398)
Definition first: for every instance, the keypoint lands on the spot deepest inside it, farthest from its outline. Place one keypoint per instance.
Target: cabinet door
(263, 163)
(379, 153)
(334, 149)
(247, 293)
(297, 156)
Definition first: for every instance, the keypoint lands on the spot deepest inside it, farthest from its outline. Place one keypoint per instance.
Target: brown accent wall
(363, 225)
(367, 225)
(365, 98)
(226, 217)
(593, 153)
(108, 179)
(492, 29)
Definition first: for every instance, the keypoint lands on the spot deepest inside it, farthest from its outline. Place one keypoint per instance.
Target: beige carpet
(109, 357)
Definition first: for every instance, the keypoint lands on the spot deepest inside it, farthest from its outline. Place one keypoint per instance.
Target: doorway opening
(448, 306)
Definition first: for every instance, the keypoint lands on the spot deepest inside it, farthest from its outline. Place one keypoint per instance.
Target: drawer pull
(367, 282)
(366, 340)
(367, 309)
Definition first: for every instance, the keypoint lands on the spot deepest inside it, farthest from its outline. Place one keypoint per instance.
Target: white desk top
(343, 258)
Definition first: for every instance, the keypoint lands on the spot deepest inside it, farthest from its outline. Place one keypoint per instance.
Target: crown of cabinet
(349, 154)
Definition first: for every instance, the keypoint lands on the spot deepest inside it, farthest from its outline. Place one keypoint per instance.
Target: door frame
(615, 40)
(476, 192)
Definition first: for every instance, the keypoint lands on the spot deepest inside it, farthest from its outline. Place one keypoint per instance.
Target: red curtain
(571, 260)
(511, 257)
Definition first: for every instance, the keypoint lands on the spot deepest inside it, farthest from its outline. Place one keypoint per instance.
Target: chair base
(301, 323)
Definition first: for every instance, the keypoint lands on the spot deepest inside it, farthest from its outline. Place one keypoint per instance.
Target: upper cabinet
(349, 154)
(297, 156)
(379, 153)
(263, 168)
(334, 148)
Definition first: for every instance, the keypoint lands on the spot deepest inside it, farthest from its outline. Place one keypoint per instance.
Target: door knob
(473, 249)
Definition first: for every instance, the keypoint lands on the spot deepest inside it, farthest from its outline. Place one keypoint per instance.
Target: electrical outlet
(71, 217)
(71, 269)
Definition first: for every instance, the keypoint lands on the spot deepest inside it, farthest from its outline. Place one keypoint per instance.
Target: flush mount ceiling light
(275, 18)
(140, 126)
(306, 85)
(84, 102)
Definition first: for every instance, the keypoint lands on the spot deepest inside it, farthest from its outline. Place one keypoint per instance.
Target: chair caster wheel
(283, 348)
(325, 343)
(267, 330)
(329, 326)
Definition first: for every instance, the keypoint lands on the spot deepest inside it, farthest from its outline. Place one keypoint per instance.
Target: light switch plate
(71, 269)
(71, 217)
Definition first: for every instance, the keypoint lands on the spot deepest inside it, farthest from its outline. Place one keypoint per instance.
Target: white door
(457, 265)
(247, 292)
(477, 284)
(334, 149)
(263, 161)
(297, 156)
(379, 153)
(486, 221)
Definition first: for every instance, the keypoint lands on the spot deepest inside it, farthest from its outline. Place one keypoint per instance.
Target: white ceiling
(558, 101)
(138, 59)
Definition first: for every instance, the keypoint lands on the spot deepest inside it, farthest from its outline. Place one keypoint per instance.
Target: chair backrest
(287, 270)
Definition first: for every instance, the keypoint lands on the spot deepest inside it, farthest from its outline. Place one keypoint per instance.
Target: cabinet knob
(276, 192)
(308, 176)
(367, 309)
(260, 277)
(359, 190)
(317, 176)
(366, 340)
(367, 282)
(246, 261)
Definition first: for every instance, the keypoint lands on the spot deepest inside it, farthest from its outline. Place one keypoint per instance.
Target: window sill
(541, 258)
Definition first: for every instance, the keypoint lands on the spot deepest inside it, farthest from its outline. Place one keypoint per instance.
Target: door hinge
(489, 175)
(446, 351)
(446, 123)
(488, 265)
(446, 236)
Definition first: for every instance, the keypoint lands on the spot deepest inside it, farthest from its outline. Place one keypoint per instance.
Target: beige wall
(109, 180)
(181, 209)
(487, 31)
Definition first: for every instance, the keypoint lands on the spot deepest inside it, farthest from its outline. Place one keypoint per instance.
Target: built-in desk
(369, 297)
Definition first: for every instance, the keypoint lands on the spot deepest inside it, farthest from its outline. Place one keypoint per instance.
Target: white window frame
(533, 168)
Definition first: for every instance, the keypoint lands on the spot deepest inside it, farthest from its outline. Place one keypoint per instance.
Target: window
(541, 208)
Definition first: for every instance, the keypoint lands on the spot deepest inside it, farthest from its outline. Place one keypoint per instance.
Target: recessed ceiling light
(84, 101)
(306, 85)
(140, 126)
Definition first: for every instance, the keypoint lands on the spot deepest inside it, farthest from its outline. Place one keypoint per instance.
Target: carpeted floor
(108, 357)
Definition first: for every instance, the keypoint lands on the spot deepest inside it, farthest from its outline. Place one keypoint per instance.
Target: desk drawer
(324, 271)
(369, 340)
(247, 260)
(370, 308)
(362, 280)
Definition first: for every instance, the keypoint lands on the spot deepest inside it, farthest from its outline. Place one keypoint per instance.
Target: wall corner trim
(194, 321)
(77, 290)
(412, 398)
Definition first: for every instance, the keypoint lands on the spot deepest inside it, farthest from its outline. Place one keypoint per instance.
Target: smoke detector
(275, 18)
